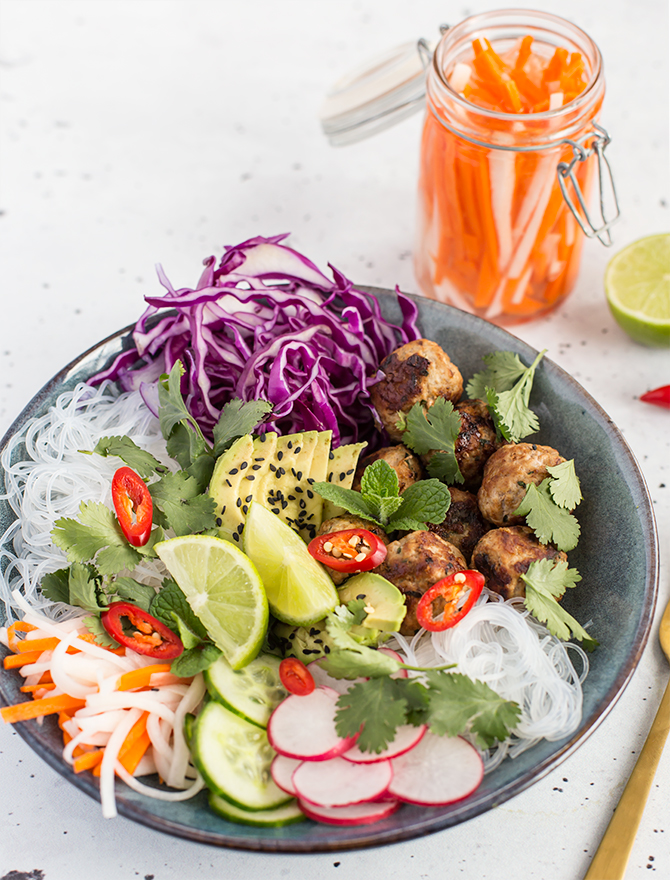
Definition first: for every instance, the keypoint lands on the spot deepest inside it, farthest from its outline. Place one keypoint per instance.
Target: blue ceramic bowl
(617, 557)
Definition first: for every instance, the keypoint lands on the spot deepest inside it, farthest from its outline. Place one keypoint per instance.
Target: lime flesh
(224, 590)
(637, 285)
(298, 589)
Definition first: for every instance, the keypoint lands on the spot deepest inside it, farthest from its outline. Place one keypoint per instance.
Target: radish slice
(357, 814)
(281, 771)
(322, 679)
(438, 771)
(406, 738)
(304, 727)
(401, 673)
(340, 783)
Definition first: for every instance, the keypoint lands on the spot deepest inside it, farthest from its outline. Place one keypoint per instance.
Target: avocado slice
(385, 600)
(341, 472)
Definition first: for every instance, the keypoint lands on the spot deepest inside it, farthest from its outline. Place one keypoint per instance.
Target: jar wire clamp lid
(378, 94)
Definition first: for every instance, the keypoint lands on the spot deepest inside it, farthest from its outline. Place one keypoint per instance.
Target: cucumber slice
(234, 756)
(252, 692)
(285, 815)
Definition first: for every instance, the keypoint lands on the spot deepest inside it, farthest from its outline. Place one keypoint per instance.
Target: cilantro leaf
(170, 602)
(55, 586)
(184, 508)
(351, 659)
(546, 580)
(132, 591)
(84, 588)
(94, 625)
(172, 409)
(186, 446)
(237, 418)
(96, 535)
(510, 407)
(377, 708)
(425, 501)
(458, 703)
(129, 452)
(503, 369)
(549, 521)
(565, 488)
(435, 430)
(195, 660)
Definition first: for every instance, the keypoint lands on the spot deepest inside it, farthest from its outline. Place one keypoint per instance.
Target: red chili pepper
(350, 550)
(449, 597)
(659, 396)
(296, 677)
(139, 631)
(133, 506)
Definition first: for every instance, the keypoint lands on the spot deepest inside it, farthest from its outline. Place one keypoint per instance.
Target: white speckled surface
(138, 131)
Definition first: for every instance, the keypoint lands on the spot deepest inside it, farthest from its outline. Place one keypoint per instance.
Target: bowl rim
(374, 836)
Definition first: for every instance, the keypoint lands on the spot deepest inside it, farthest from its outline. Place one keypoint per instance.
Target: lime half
(299, 590)
(637, 285)
(224, 590)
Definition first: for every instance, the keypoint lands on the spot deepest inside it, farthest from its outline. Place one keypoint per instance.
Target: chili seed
(327, 546)
(360, 557)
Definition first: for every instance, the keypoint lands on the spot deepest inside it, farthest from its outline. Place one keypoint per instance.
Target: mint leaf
(383, 508)
(238, 418)
(565, 488)
(129, 452)
(353, 502)
(425, 501)
(549, 521)
(195, 660)
(379, 479)
(188, 637)
(171, 602)
(184, 508)
(458, 703)
(55, 586)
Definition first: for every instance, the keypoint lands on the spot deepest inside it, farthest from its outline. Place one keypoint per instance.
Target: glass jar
(502, 196)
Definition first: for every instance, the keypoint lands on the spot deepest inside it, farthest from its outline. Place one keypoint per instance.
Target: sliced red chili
(133, 505)
(296, 677)
(349, 550)
(659, 396)
(139, 631)
(449, 600)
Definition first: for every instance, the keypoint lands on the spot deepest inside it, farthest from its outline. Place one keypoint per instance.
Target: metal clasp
(565, 171)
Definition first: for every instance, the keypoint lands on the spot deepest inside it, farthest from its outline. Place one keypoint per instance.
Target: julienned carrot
(141, 677)
(135, 744)
(15, 661)
(28, 645)
(524, 52)
(18, 626)
(87, 760)
(32, 688)
(37, 708)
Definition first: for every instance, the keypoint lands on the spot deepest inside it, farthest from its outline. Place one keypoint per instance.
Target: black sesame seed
(342, 476)
(289, 444)
(280, 455)
(229, 484)
(236, 537)
(239, 502)
(244, 465)
(275, 510)
(297, 449)
(310, 494)
(233, 472)
(218, 521)
(249, 498)
(255, 467)
(250, 477)
(245, 509)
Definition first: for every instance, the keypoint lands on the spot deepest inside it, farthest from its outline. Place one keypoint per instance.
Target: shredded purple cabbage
(267, 324)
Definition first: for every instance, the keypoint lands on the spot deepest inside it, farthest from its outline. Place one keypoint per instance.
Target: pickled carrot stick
(15, 661)
(138, 678)
(87, 760)
(556, 66)
(37, 708)
(524, 52)
(28, 645)
(13, 641)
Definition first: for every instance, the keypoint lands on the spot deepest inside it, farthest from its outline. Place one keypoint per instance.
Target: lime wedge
(298, 589)
(637, 285)
(224, 590)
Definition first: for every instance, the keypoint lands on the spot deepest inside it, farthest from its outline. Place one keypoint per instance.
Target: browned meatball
(503, 555)
(416, 562)
(406, 465)
(340, 524)
(463, 525)
(507, 474)
(417, 372)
